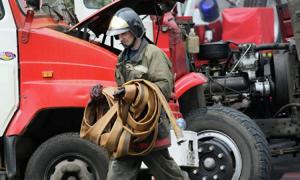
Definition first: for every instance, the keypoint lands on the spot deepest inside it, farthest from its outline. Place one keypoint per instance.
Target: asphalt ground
(286, 167)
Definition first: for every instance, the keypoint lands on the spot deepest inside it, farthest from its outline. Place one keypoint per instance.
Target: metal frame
(2, 12)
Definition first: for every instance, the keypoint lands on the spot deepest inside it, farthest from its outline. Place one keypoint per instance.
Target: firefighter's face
(126, 38)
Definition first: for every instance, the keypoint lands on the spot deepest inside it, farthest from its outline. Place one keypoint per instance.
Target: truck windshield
(48, 7)
(95, 4)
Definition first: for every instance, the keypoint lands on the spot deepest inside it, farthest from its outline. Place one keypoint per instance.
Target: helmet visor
(117, 26)
(114, 32)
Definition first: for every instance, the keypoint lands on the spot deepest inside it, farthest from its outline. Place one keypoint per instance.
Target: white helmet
(126, 19)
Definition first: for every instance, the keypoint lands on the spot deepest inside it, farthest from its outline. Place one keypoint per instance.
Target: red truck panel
(248, 25)
(76, 65)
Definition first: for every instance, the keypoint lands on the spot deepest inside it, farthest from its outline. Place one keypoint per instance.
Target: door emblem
(7, 56)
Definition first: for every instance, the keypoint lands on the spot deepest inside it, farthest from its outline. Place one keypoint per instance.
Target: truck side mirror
(35, 4)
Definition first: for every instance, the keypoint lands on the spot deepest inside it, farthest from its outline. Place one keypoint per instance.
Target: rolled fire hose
(128, 121)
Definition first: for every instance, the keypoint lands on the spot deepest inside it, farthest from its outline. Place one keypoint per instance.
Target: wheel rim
(219, 157)
(70, 167)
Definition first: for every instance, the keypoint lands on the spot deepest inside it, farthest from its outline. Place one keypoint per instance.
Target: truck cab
(36, 85)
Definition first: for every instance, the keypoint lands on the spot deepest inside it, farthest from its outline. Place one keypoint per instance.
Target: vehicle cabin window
(48, 7)
(96, 4)
(1, 10)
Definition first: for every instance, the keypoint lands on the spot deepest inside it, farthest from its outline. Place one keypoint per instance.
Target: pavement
(286, 167)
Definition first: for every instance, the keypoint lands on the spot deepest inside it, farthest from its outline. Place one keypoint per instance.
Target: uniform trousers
(161, 165)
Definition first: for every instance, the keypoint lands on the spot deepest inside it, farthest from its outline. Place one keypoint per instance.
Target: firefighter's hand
(119, 94)
(96, 93)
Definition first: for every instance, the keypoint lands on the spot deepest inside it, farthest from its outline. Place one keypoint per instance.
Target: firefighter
(142, 60)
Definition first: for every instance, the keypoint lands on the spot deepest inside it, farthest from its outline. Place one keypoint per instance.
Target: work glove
(96, 93)
(119, 94)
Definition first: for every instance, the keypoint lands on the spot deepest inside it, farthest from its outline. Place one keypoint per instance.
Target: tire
(67, 156)
(231, 145)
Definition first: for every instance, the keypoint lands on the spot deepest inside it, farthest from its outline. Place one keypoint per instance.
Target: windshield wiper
(71, 14)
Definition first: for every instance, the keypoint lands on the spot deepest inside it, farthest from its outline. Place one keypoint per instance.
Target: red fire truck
(47, 70)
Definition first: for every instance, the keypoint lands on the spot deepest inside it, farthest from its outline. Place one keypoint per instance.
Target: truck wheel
(67, 156)
(231, 145)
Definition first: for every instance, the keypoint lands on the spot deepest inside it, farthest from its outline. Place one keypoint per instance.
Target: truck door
(8, 66)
